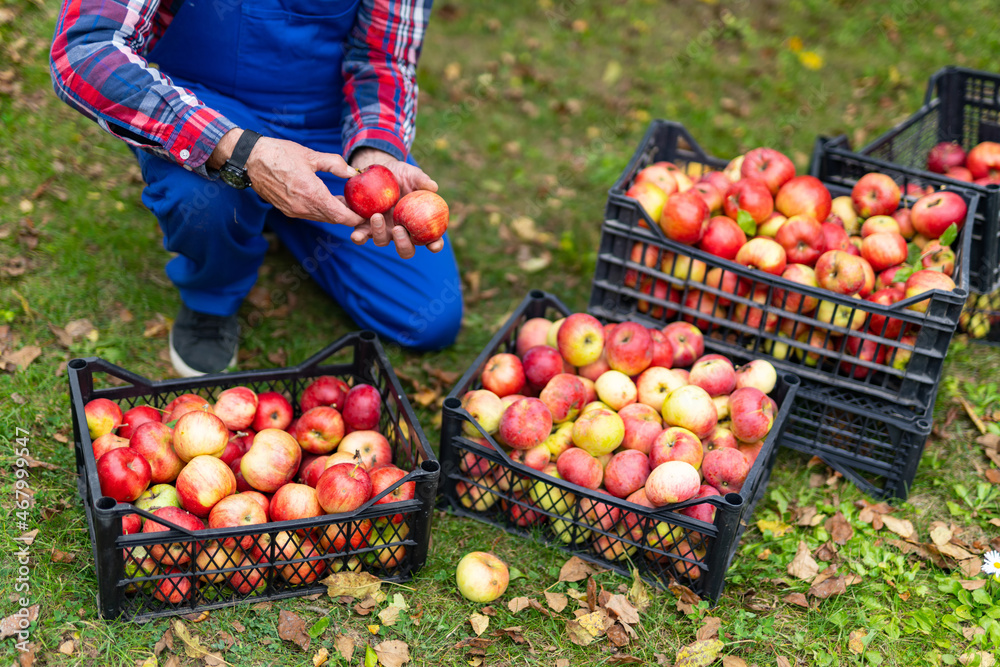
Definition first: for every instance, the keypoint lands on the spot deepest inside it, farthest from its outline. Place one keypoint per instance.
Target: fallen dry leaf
(992, 475)
(556, 601)
(518, 604)
(575, 569)
(901, 527)
(192, 646)
(23, 357)
(777, 527)
(830, 571)
(687, 599)
(366, 606)
(80, 329)
(165, 641)
(596, 622)
(830, 587)
(972, 584)
(66, 648)
(351, 584)
(618, 636)
(985, 659)
(637, 594)
(856, 641)
(578, 634)
(782, 661)
(701, 653)
(803, 566)
(711, 628)
(806, 516)
(393, 653)
(479, 623)
(796, 599)
(733, 661)
(623, 609)
(940, 533)
(292, 628)
(345, 647)
(838, 527)
(62, 557)
(322, 657)
(158, 327)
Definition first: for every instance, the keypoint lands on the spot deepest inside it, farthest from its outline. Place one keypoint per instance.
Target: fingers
(336, 211)
(404, 246)
(332, 163)
(436, 246)
(361, 234)
(380, 230)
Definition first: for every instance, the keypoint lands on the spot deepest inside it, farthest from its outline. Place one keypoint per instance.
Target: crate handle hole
(993, 187)
(106, 503)
(452, 403)
(791, 379)
(537, 294)
(430, 466)
(367, 335)
(78, 364)
(734, 499)
(923, 425)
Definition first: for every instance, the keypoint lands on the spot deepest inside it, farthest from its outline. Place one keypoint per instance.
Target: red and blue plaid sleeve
(380, 75)
(96, 68)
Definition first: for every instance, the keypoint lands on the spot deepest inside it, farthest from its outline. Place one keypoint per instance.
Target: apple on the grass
(273, 411)
(372, 190)
(237, 510)
(764, 254)
(319, 430)
(840, 272)
(578, 467)
(541, 363)
(944, 156)
(157, 496)
(924, 281)
(503, 374)
(564, 396)
(103, 417)
(932, 214)
(687, 342)
(370, 448)
(883, 250)
(692, 408)
(842, 213)
(629, 348)
(984, 160)
(481, 577)
(580, 339)
(424, 214)
(802, 239)
(324, 390)
(203, 482)
(684, 218)
(750, 195)
(123, 474)
(672, 482)
(726, 469)
(616, 389)
(653, 386)
(751, 413)
(343, 487)
(272, 460)
(599, 431)
(803, 195)
(236, 407)
(136, 417)
(759, 373)
(485, 408)
(650, 196)
(676, 444)
(768, 165)
(172, 553)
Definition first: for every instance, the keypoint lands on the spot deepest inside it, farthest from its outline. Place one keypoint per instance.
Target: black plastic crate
(393, 545)
(625, 287)
(490, 492)
(870, 442)
(962, 106)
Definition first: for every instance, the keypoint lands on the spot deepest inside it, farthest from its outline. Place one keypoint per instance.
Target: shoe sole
(186, 371)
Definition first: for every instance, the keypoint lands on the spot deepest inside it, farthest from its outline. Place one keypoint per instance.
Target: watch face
(233, 177)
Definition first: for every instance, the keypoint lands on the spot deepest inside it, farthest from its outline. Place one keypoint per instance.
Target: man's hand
(381, 228)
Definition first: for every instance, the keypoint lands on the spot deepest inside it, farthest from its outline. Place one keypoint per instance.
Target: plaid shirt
(98, 66)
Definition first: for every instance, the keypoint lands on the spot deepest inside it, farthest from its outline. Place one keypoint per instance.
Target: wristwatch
(234, 171)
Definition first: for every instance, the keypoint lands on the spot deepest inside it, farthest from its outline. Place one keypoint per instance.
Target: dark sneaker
(201, 343)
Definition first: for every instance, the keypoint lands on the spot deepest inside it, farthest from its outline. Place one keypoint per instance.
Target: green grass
(527, 109)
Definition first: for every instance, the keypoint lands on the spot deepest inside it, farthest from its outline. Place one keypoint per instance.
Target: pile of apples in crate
(757, 212)
(636, 413)
(980, 166)
(245, 461)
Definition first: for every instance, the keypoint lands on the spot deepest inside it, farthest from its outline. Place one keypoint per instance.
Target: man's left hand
(381, 228)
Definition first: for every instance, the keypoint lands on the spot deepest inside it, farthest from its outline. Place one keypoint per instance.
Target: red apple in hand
(769, 166)
(373, 190)
(723, 237)
(875, 194)
(932, 214)
(944, 156)
(802, 239)
(685, 217)
(424, 214)
(984, 160)
(750, 195)
(804, 195)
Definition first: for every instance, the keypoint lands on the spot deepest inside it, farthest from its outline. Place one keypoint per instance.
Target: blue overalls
(274, 66)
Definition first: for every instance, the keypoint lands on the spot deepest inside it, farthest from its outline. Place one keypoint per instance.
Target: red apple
(154, 440)
(769, 166)
(944, 156)
(236, 407)
(880, 223)
(103, 416)
(923, 281)
(343, 487)
(687, 342)
(198, 433)
(295, 501)
(750, 195)
(626, 473)
(834, 238)
(875, 194)
(340, 537)
(173, 553)
(309, 471)
(839, 272)
(136, 417)
(753, 316)
(532, 333)
(710, 195)
(672, 482)
(676, 444)
(984, 160)
(663, 351)
(372, 190)
(936, 256)
(319, 430)
(629, 348)
(503, 374)
(685, 217)
(250, 577)
(726, 469)
(541, 364)
(723, 237)
(878, 324)
(235, 448)
(292, 547)
(185, 407)
(717, 375)
(866, 350)
(273, 411)
(362, 407)
(105, 443)
(578, 467)
(386, 476)
(692, 408)
(934, 213)
(651, 197)
(721, 437)
(763, 254)
(203, 482)
(237, 510)
(564, 396)
(890, 277)
(272, 460)
(370, 448)
(183, 398)
(884, 250)
(803, 195)
(794, 301)
(324, 390)
(751, 414)
(705, 511)
(123, 474)
(525, 423)
(660, 175)
(802, 238)
(960, 174)
(174, 588)
(424, 214)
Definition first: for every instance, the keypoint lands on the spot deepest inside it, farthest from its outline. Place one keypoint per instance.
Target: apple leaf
(913, 253)
(949, 235)
(746, 223)
(903, 274)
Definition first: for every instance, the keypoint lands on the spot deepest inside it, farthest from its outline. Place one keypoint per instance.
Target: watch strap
(241, 152)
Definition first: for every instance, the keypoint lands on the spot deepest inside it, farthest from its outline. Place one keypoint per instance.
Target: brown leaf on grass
(514, 634)
(827, 573)
(537, 606)
(855, 641)
(321, 658)
(62, 556)
(616, 633)
(63, 338)
(687, 599)
(838, 527)
(448, 378)
(806, 515)
(366, 606)
(701, 653)
(578, 634)
(972, 584)
(14, 267)
(518, 604)
(940, 533)
(556, 601)
(711, 628)
(796, 599)
(575, 569)
(11, 625)
(157, 327)
(23, 357)
(351, 584)
(833, 586)
(827, 552)
(872, 513)
(992, 475)
(782, 661)
(591, 594)
(393, 653)
(479, 623)
(165, 641)
(803, 566)
(278, 357)
(733, 661)
(80, 329)
(901, 527)
(488, 611)
(345, 647)
(625, 660)
(172, 661)
(623, 609)
(852, 578)
(927, 552)
(562, 662)
(981, 658)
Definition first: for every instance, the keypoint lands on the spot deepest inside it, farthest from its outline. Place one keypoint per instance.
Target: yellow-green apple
(569, 532)
(692, 408)
(865, 350)
(370, 447)
(721, 438)
(541, 363)
(424, 214)
(984, 160)
(839, 315)
(660, 175)
(548, 497)
(238, 510)
(525, 423)
(629, 348)
(626, 473)
(103, 417)
(883, 250)
(875, 194)
(758, 373)
(272, 460)
(642, 425)
(598, 431)
(343, 487)
(613, 547)
(124, 474)
(944, 156)
(173, 553)
(560, 440)
(923, 281)
(480, 494)
(105, 443)
(136, 417)
(753, 316)
(236, 407)
(387, 533)
(938, 257)
(879, 324)
(273, 411)
(722, 405)
(840, 272)
(842, 212)
(292, 547)
(324, 390)
(672, 482)
(821, 346)
(578, 467)
(803, 195)
(663, 352)
(676, 444)
(654, 384)
(919, 240)
(802, 238)
(733, 170)
(752, 414)
(932, 214)
(533, 332)
(174, 588)
(564, 396)
(725, 469)
(594, 405)
(772, 225)
(319, 430)
(485, 407)
(199, 433)
(705, 511)
(157, 496)
(352, 564)
(596, 369)
(710, 194)
(768, 165)
(203, 482)
(880, 224)
(683, 266)
(835, 238)
(687, 342)
(650, 196)
(616, 389)
(713, 373)
(309, 471)
(362, 408)
(372, 190)
(899, 358)
(795, 301)
(503, 374)
(295, 501)
(552, 337)
(481, 577)
(684, 218)
(764, 254)
(750, 195)
(580, 339)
